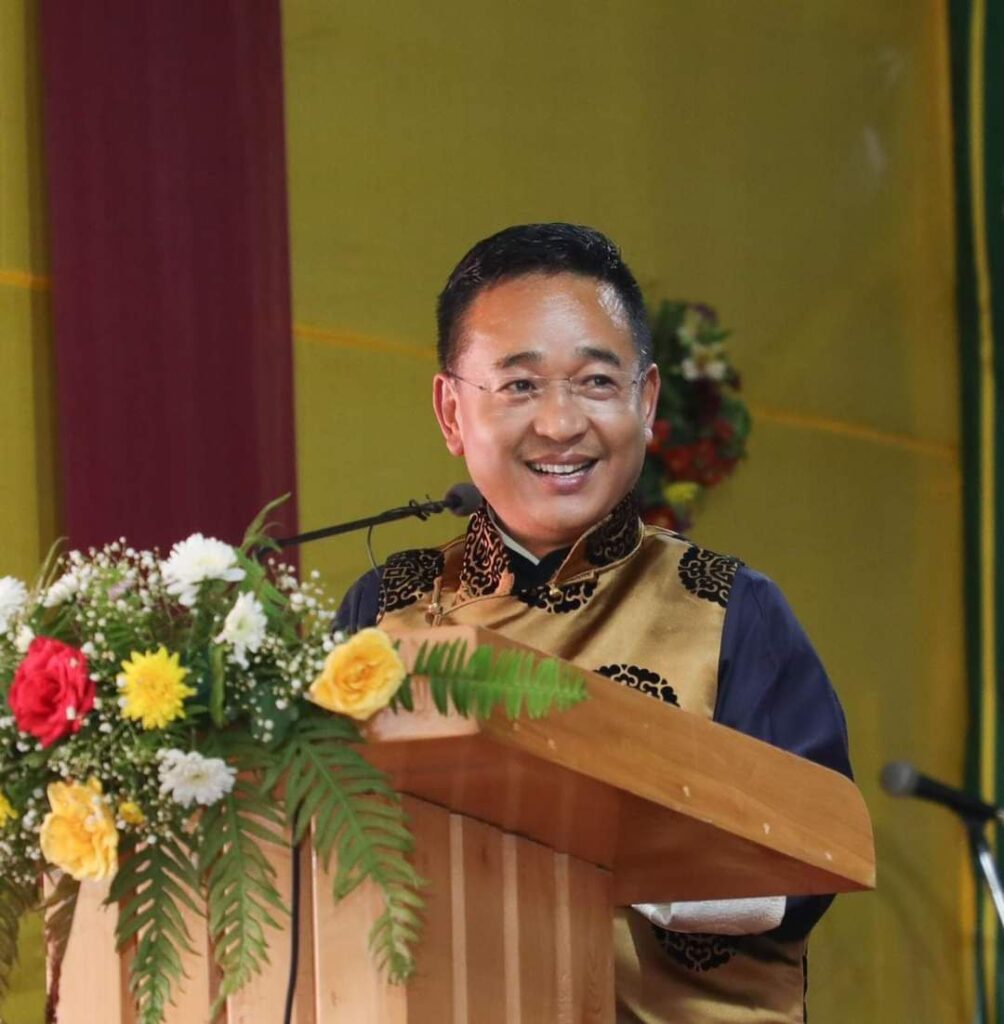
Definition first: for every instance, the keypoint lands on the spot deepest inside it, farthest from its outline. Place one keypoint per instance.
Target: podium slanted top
(673, 804)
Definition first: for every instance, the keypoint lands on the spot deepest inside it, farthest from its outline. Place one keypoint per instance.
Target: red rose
(678, 461)
(724, 431)
(52, 692)
(661, 430)
(661, 515)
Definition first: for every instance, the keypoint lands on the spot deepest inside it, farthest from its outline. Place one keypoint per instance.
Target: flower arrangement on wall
(702, 423)
(168, 716)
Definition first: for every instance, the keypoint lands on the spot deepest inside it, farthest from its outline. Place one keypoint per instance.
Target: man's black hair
(538, 249)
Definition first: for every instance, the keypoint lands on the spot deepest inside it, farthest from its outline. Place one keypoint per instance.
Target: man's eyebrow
(601, 355)
(518, 359)
(533, 357)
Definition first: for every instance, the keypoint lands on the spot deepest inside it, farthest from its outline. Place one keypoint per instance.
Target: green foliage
(357, 816)
(240, 881)
(15, 901)
(511, 679)
(256, 535)
(59, 910)
(153, 882)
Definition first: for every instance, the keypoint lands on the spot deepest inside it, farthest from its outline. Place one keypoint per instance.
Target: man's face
(551, 466)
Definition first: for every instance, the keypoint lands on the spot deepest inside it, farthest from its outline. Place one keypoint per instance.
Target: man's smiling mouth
(544, 468)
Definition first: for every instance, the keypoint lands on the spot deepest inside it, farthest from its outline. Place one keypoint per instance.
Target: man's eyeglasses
(609, 389)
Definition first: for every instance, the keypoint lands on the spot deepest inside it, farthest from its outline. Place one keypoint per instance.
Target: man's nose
(558, 414)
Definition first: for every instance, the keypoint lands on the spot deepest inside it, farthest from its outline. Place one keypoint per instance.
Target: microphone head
(900, 778)
(463, 499)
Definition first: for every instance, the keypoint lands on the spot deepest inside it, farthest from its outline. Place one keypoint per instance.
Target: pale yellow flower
(131, 812)
(7, 812)
(360, 675)
(681, 493)
(78, 835)
(153, 688)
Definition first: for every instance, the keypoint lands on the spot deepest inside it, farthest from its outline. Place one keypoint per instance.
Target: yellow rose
(360, 676)
(78, 835)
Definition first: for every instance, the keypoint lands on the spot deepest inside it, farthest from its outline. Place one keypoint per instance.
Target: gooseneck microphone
(900, 778)
(461, 499)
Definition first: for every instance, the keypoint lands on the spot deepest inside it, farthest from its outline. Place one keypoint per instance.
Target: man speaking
(548, 391)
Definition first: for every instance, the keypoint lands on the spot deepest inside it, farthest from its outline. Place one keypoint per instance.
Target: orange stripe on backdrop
(24, 279)
(338, 338)
(855, 431)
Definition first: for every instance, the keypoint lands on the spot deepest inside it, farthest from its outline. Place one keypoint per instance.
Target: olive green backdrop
(789, 163)
(27, 465)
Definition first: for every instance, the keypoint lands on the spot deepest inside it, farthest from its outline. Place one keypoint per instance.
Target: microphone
(900, 778)
(461, 499)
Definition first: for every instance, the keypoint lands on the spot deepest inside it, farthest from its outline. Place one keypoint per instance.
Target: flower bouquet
(701, 425)
(167, 716)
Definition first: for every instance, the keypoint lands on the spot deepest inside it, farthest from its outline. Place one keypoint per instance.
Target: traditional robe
(653, 611)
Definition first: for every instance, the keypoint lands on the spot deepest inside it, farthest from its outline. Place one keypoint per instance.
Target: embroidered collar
(485, 569)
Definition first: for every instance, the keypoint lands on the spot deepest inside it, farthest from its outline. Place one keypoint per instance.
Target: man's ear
(650, 383)
(444, 402)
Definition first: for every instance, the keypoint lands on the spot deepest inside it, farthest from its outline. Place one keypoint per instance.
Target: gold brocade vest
(645, 607)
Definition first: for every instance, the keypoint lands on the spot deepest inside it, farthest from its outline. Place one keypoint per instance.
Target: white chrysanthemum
(705, 362)
(13, 597)
(190, 778)
(244, 627)
(193, 561)
(62, 590)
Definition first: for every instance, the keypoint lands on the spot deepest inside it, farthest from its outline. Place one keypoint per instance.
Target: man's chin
(552, 525)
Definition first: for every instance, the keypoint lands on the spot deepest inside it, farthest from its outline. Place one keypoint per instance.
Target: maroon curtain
(171, 301)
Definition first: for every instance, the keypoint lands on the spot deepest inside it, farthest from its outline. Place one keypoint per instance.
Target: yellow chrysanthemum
(7, 812)
(131, 813)
(153, 688)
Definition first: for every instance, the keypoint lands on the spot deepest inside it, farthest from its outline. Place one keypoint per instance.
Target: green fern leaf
(357, 816)
(152, 882)
(242, 899)
(513, 680)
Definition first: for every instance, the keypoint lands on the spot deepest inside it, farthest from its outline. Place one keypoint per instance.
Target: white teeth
(558, 470)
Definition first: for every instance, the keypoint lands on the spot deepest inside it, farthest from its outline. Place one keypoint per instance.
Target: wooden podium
(530, 833)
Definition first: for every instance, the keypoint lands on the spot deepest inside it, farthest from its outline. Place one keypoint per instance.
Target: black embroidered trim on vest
(485, 556)
(697, 951)
(569, 597)
(637, 678)
(408, 575)
(615, 538)
(708, 575)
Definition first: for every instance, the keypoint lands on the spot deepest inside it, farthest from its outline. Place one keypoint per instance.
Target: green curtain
(977, 38)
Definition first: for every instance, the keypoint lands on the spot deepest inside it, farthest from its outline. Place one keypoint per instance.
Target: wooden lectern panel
(514, 934)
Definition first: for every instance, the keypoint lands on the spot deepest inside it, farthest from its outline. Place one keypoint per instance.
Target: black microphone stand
(983, 862)
(419, 509)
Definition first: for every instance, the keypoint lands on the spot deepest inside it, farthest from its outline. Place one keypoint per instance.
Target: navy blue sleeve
(360, 605)
(772, 686)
